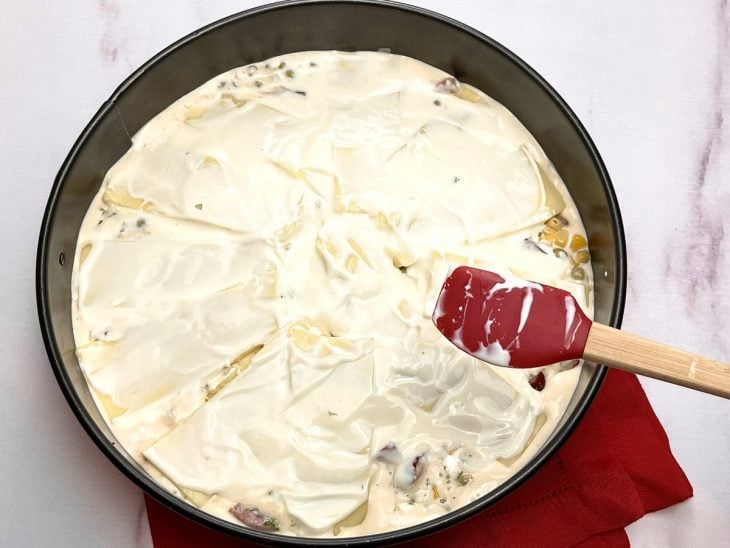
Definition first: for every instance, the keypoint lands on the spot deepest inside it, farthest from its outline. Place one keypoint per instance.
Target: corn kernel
(193, 113)
(554, 223)
(208, 161)
(469, 94)
(351, 263)
(547, 236)
(84, 253)
(561, 238)
(577, 242)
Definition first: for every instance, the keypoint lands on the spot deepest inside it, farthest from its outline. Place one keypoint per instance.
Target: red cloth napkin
(614, 468)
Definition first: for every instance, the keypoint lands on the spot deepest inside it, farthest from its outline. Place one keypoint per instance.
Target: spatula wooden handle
(632, 353)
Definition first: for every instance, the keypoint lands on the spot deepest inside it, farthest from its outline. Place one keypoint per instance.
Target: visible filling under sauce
(253, 289)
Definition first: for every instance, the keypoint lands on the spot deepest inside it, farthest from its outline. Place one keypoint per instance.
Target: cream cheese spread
(254, 283)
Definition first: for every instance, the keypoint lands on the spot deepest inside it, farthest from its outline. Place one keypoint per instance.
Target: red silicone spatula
(512, 322)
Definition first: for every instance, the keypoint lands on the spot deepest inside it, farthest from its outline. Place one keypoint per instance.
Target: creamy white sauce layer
(254, 283)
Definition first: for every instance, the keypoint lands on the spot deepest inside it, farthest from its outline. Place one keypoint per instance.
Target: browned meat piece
(254, 518)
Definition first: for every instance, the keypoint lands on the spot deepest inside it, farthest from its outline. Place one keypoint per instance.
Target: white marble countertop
(651, 82)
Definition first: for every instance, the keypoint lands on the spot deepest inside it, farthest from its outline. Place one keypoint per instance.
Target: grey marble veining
(702, 275)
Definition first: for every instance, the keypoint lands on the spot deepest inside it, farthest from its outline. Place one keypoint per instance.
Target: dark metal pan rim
(197, 515)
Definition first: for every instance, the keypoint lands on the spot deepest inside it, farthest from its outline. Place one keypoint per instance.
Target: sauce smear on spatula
(508, 321)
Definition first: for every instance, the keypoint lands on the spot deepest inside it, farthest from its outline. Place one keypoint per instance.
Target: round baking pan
(285, 27)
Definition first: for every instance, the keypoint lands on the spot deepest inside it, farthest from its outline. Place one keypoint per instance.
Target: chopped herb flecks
(463, 478)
